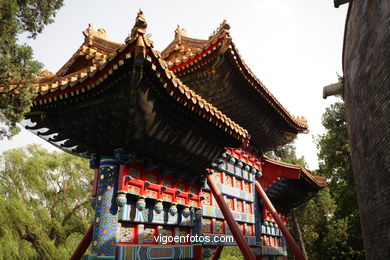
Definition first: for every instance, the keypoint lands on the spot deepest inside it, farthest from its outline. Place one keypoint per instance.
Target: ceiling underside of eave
(102, 120)
(287, 194)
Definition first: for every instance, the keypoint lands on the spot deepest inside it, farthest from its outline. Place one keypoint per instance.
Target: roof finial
(139, 27)
(179, 32)
(225, 25)
(90, 32)
(140, 24)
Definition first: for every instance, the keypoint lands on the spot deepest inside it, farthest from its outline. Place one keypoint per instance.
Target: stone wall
(366, 62)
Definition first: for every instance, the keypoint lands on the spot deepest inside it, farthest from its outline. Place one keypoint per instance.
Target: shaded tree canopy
(44, 203)
(17, 66)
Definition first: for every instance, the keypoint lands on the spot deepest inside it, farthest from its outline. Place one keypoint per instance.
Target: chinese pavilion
(176, 141)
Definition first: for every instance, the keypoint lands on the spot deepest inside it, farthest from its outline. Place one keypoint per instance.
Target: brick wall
(366, 64)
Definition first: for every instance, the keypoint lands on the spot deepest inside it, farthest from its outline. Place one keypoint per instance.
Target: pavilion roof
(185, 54)
(289, 185)
(98, 57)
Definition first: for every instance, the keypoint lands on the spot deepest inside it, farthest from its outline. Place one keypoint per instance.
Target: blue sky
(294, 47)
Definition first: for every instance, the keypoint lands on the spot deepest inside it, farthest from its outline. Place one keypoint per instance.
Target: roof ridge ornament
(90, 32)
(179, 32)
(139, 28)
(302, 120)
(224, 27)
(221, 32)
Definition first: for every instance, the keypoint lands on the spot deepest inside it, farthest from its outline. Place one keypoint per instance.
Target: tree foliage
(288, 154)
(330, 222)
(336, 165)
(44, 203)
(17, 66)
(231, 253)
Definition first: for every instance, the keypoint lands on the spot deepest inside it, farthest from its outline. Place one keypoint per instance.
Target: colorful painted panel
(217, 176)
(181, 200)
(249, 230)
(248, 208)
(228, 180)
(247, 187)
(149, 234)
(166, 231)
(240, 206)
(167, 197)
(151, 194)
(127, 234)
(230, 167)
(230, 203)
(218, 226)
(206, 225)
(132, 189)
(206, 198)
(238, 184)
(193, 203)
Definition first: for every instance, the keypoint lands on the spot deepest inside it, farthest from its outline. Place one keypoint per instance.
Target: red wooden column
(198, 252)
(237, 233)
(290, 240)
(217, 253)
(83, 245)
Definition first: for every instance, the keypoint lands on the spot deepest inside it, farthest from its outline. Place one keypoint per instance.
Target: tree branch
(12, 89)
(67, 216)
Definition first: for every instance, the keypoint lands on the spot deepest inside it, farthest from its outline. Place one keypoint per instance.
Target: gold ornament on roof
(45, 74)
(90, 32)
(139, 27)
(301, 120)
(179, 32)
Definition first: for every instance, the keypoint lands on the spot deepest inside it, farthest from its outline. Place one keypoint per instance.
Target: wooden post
(83, 245)
(198, 252)
(237, 233)
(300, 238)
(95, 181)
(217, 253)
(294, 247)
